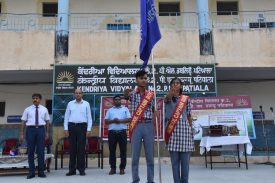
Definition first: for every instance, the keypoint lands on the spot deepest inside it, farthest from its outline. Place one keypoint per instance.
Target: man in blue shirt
(117, 117)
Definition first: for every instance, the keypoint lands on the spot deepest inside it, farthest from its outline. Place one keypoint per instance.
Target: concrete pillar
(206, 41)
(62, 32)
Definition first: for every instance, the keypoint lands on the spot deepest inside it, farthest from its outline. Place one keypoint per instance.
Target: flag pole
(156, 116)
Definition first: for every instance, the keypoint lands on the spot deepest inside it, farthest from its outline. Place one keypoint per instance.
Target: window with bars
(169, 9)
(49, 9)
(227, 7)
(118, 26)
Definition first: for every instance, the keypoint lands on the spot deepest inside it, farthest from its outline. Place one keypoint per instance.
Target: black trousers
(77, 139)
(120, 138)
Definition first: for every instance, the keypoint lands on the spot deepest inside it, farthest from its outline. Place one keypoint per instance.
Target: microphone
(261, 108)
(271, 108)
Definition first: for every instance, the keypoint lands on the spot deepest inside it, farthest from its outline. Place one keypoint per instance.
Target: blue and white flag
(149, 30)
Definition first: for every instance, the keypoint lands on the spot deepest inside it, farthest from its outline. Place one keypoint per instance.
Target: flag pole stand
(156, 116)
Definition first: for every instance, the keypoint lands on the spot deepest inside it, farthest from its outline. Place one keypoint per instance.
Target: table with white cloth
(223, 143)
(18, 161)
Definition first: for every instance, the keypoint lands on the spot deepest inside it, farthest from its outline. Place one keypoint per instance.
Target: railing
(26, 22)
(131, 21)
(96, 22)
(243, 20)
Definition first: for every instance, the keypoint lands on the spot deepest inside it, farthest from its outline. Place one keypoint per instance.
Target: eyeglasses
(77, 93)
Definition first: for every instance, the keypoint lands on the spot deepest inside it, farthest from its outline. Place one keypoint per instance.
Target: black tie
(36, 116)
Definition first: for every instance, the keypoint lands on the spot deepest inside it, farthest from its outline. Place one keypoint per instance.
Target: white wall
(233, 48)
(104, 6)
(21, 6)
(244, 48)
(262, 93)
(121, 47)
(189, 6)
(257, 5)
(26, 50)
(18, 97)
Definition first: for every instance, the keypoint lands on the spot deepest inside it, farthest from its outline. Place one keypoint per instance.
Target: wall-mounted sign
(116, 78)
(14, 119)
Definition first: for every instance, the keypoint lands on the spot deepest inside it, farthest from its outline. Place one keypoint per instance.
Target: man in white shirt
(77, 126)
(36, 119)
(117, 117)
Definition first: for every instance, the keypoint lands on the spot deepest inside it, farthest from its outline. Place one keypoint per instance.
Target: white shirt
(119, 113)
(29, 115)
(78, 112)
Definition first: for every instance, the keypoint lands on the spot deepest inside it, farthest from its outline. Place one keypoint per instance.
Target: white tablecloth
(23, 161)
(208, 142)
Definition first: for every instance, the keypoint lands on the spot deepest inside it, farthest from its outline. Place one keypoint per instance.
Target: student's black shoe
(42, 175)
(82, 173)
(70, 173)
(30, 176)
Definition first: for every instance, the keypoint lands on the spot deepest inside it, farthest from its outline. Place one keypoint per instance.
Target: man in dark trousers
(77, 126)
(141, 127)
(36, 119)
(117, 117)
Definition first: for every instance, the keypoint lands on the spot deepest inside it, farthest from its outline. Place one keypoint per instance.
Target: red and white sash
(149, 95)
(175, 117)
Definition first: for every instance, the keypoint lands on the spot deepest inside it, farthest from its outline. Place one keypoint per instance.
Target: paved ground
(221, 173)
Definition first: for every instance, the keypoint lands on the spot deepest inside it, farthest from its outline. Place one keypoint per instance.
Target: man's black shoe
(42, 175)
(121, 172)
(30, 176)
(70, 173)
(82, 173)
(112, 171)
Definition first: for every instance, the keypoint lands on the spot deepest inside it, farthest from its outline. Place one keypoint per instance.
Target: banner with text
(116, 78)
(225, 110)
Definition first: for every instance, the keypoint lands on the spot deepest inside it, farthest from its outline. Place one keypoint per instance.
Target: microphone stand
(273, 115)
(268, 162)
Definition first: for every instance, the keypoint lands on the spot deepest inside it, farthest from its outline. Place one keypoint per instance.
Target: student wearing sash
(141, 126)
(178, 135)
